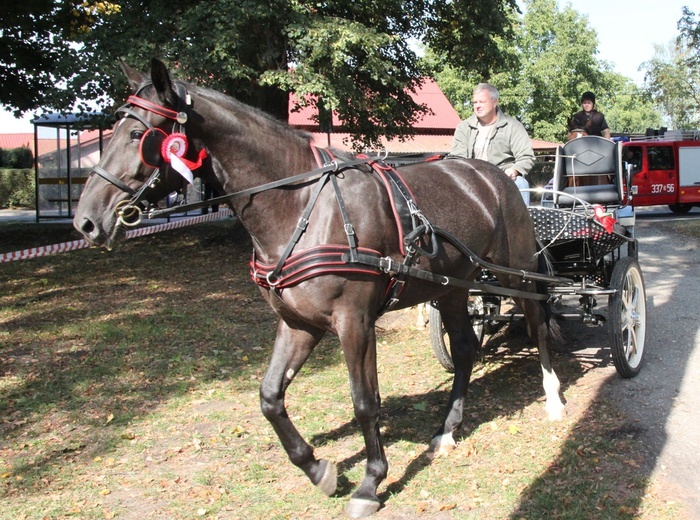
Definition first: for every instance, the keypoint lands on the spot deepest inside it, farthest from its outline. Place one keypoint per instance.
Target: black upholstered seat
(588, 168)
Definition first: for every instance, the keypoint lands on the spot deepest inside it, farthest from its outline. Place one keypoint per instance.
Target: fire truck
(666, 169)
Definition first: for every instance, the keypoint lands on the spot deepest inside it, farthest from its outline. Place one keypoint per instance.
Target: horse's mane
(243, 111)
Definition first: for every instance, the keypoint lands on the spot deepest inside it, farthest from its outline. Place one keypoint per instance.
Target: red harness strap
(318, 260)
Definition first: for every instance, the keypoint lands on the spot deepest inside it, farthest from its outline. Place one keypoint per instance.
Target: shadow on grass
(92, 339)
(504, 391)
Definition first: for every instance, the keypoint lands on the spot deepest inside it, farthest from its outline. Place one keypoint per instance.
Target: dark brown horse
(243, 149)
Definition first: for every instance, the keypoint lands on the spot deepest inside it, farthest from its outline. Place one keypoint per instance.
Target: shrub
(17, 188)
(17, 158)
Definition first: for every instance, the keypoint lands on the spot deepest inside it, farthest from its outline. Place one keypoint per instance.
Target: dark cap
(590, 96)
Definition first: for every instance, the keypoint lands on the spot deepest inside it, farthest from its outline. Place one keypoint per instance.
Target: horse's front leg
(358, 340)
(464, 346)
(292, 349)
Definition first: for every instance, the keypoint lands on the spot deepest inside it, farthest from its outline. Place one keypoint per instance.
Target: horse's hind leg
(464, 346)
(540, 330)
(292, 348)
(358, 340)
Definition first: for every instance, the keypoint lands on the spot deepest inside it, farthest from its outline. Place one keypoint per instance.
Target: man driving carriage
(493, 136)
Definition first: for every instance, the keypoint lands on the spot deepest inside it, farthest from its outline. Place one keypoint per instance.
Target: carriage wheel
(438, 337)
(627, 316)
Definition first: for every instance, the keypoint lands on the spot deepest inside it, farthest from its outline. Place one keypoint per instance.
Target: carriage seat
(589, 168)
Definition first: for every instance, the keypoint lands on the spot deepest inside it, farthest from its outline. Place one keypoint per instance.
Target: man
(589, 119)
(492, 136)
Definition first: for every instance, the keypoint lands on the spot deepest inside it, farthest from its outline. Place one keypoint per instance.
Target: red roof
(23, 140)
(540, 146)
(415, 144)
(26, 140)
(48, 145)
(443, 119)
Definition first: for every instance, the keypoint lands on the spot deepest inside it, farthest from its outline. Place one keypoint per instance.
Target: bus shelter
(66, 148)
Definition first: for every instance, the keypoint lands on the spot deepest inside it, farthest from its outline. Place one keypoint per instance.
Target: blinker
(150, 147)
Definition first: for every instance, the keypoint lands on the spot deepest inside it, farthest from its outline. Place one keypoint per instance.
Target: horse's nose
(86, 227)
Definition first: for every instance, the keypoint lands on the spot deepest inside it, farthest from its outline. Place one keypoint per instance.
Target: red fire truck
(666, 170)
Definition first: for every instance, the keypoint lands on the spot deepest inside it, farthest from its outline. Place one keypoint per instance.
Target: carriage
(340, 239)
(585, 226)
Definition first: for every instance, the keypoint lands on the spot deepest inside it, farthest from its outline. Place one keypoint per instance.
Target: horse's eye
(136, 135)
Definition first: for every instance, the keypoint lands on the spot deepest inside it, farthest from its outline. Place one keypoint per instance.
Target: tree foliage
(628, 108)
(672, 76)
(352, 57)
(673, 80)
(550, 61)
(36, 52)
(547, 66)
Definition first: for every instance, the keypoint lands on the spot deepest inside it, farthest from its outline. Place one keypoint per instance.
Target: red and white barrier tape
(36, 252)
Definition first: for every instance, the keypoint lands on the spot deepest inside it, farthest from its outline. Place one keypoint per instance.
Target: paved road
(665, 397)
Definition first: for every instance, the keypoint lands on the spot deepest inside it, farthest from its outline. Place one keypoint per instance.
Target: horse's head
(147, 157)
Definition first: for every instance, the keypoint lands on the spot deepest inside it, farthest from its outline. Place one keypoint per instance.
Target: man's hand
(511, 172)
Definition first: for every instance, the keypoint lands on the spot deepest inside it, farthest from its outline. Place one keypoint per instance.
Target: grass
(129, 389)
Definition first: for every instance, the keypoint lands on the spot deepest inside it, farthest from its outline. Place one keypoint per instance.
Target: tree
(628, 108)
(547, 66)
(351, 57)
(690, 35)
(35, 38)
(672, 79)
(558, 49)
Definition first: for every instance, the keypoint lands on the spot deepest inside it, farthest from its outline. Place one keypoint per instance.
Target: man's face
(587, 105)
(484, 107)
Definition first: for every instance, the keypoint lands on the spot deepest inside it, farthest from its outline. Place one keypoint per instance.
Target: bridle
(157, 149)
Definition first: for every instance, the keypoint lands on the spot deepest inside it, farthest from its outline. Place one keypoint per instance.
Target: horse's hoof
(441, 446)
(329, 481)
(556, 413)
(361, 507)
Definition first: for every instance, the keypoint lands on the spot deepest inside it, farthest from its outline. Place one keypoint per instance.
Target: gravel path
(664, 400)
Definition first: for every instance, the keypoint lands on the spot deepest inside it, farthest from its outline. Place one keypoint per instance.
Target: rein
(333, 167)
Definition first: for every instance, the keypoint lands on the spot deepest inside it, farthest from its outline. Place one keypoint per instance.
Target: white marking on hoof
(361, 507)
(441, 446)
(329, 481)
(556, 411)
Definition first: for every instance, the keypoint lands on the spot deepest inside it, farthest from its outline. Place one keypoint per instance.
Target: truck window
(660, 158)
(633, 155)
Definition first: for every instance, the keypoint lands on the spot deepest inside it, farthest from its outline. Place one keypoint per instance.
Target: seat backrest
(593, 158)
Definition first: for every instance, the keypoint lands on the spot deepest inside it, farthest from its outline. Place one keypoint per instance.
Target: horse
(271, 176)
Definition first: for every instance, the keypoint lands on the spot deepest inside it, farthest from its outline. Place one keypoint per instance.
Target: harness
(291, 269)
(412, 226)
(158, 148)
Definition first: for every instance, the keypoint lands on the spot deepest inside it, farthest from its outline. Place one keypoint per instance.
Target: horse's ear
(161, 80)
(136, 79)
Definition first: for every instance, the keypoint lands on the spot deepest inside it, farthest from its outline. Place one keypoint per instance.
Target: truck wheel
(681, 209)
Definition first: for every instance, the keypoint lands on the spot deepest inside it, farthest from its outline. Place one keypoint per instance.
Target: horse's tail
(544, 266)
